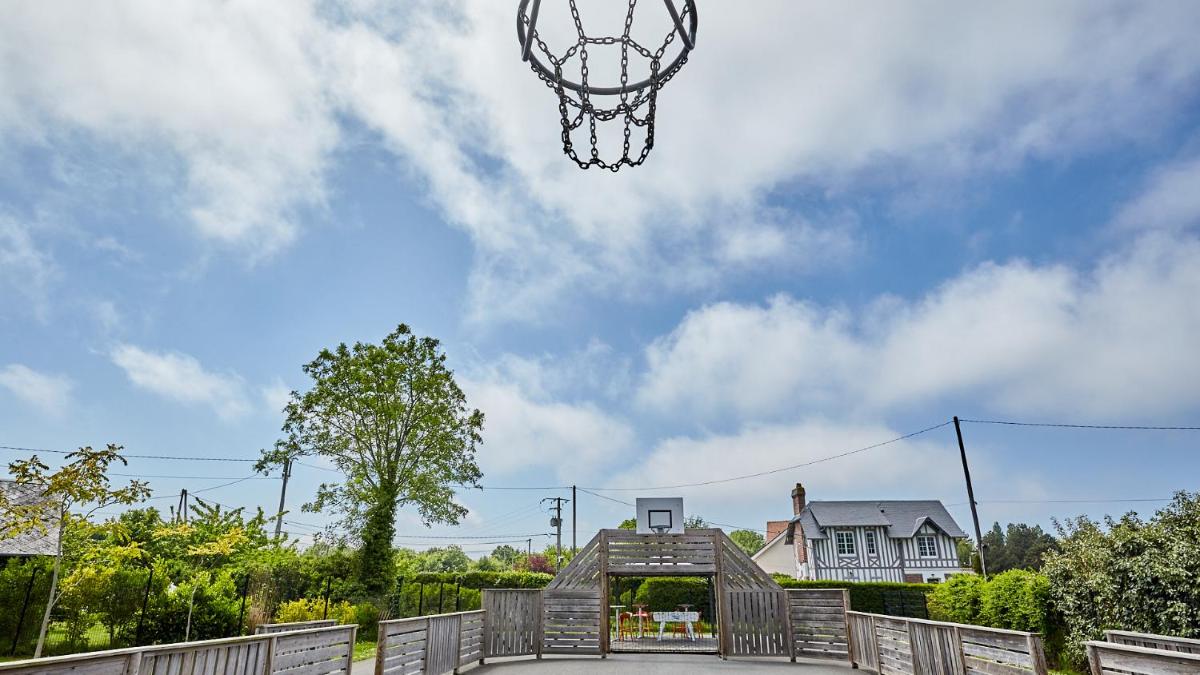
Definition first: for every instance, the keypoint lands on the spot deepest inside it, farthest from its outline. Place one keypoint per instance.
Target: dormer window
(872, 547)
(926, 546)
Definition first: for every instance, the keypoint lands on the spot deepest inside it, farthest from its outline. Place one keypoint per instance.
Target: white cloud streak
(181, 378)
(49, 393)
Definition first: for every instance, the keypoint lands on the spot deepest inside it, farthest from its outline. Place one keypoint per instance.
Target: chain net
(634, 107)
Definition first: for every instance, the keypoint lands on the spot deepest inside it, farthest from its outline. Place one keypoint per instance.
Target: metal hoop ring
(610, 91)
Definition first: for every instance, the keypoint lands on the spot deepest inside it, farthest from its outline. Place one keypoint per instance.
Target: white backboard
(664, 511)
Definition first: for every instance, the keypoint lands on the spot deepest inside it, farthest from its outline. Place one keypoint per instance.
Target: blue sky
(854, 225)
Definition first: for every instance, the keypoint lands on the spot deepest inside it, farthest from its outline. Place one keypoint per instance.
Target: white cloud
(814, 98)
(1024, 339)
(25, 268)
(49, 393)
(275, 395)
(524, 430)
(235, 90)
(1169, 201)
(182, 378)
(903, 470)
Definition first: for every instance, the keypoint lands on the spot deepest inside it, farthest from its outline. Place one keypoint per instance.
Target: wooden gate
(757, 623)
(512, 622)
(571, 622)
(819, 626)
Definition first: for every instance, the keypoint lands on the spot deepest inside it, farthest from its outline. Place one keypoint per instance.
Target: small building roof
(33, 542)
(901, 518)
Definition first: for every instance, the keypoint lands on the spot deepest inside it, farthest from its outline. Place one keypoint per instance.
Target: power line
(189, 459)
(1065, 501)
(1126, 427)
(152, 475)
(780, 469)
(485, 536)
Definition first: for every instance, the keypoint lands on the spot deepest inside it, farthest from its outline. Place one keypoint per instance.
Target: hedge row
(876, 597)
(479, 580)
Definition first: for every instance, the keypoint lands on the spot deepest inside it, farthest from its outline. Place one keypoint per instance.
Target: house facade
(871, 540)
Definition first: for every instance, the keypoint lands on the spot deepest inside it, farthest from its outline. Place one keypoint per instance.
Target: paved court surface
(641, 664)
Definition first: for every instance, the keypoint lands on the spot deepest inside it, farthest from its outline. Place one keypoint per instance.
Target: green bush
(1016, 600)
(957, 600)
(875, 597)
(664, 594)
(479, 579)
(15, 578)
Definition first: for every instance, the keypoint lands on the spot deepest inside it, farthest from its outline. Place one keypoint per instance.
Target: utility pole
(182, 516)
(287, 473)
(962, 450)
(556, 523)
(574, 522)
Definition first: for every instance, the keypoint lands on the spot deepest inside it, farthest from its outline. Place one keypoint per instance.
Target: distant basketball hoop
(585, 102)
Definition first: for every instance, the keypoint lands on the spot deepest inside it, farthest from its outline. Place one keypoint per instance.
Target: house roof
(901, 518)
(32, 542)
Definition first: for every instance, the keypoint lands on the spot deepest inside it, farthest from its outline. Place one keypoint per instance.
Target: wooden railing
(316, 651)
(1167, 643)
(266, 628)
(900, 646)
(435, 644)
(1108, 657)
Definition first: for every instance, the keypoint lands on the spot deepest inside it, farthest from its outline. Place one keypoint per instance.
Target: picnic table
(686, 618)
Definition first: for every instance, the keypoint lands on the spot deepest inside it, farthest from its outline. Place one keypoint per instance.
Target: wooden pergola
(752, 610)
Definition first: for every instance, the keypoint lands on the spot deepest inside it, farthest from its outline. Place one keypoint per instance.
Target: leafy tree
(392, 418)
(505, 556)
(628, 524)
(1129, 574)
(1021, 546)
(695, 523)
(448, 559)
(536, 563)
(748, 540)
(81, 483)
(968, 555)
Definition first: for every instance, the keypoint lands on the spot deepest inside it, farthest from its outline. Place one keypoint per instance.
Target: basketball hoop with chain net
(631, 104)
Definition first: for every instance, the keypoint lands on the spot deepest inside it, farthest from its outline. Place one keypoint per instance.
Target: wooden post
(602, 556)
(540, 632)
(913, 650)
(787, 624)
(962, 655)
(1038, 654)
(1094, 661)
(270, 653)
(849, 632)
(483, 625)
(875, 641)
(350, 655)
(134, 664)
(380, 648)
(457, 643)
(725, 636)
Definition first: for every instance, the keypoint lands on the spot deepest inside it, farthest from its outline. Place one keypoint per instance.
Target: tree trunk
(50, 599)
(187, 631)
(375, 557)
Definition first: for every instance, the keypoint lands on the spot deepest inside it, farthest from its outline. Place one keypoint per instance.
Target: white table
(687, 618)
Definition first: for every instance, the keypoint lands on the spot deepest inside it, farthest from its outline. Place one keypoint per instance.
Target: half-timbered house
(869, 540)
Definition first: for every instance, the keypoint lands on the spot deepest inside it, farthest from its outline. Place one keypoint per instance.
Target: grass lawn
(364, 650)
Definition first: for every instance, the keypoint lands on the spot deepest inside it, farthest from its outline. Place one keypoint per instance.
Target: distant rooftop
(901, 518)
(28, 543)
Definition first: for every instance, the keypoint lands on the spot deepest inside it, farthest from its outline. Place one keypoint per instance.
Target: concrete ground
(641, 664)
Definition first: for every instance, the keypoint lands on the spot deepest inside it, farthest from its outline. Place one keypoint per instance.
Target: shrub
(1016, 600)
(313, 609)
(664, 594)
(956, 600)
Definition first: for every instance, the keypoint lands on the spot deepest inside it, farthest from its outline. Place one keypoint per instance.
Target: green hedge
(1016, 600)
(664, 594)
(876, 597)
(478, 580)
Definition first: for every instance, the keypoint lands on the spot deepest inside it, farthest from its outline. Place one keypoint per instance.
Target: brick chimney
(775, 528)
(797, 499)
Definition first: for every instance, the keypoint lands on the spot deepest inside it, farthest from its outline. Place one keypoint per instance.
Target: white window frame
(872, 546)
(932, 545)
(852, 549)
